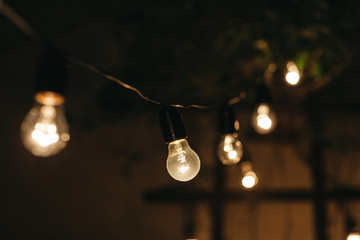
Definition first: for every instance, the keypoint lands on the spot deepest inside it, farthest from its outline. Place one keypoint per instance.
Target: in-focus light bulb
(44, 130)
(183, 164)
(230, 149)
(292, 75)
(249, 179)
(353, 236)
(264, 119)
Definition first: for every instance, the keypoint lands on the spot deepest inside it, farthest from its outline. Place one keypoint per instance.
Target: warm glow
(292, 78)
(263, 119)
(353, 236)
(232, 154)
(249, 180)
(49, 98)
(292, 75)
(44, 131)
(183, 164)
(230, 149)
(263, 109)
(45, 134)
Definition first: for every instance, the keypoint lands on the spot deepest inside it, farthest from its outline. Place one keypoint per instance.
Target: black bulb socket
(227, 120)
(263, 94)
(171, 124)
(52, 73)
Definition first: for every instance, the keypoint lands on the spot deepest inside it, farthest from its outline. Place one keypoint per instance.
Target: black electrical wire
(28, 30)
(18, 21)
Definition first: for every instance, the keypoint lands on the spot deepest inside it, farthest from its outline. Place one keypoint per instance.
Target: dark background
(184, 52)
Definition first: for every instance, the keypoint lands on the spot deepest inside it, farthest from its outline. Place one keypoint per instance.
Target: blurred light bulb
(264, 119)
(44, 130)
(249, 179)
(230, 149)
(292, 75)
(353, 236)
(183, 164)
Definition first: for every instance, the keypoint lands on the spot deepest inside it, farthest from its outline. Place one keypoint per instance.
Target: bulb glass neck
(49, 98)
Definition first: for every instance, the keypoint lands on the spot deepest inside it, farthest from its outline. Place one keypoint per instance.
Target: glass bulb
(353, 236)
(249, 179)
(44, 130)
(264, 119)
(292, 75)
(230, 149)
(183, 164)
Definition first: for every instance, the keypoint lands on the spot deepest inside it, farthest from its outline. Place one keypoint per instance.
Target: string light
(263, 118)
(249, 179)
(230, 149)
(292, 74)
(44, 130)
(183, 164)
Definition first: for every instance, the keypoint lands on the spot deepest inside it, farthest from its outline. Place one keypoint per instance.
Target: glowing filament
(292, 76)
(232, 154)
(45, 134)
(183, 164)
(263, 121)
(249, 180)
(230, 149)
(44, 130)
(353, 236)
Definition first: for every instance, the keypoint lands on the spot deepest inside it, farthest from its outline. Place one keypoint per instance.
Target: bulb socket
(227, 120)
(171, 124)
(52, 73)
(351, 225)
(263, 94)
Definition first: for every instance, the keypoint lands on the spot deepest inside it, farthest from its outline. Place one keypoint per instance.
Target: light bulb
(183, 164)
(249, 179)
(264, 119)
(292, 75)
(44, 130)
(230, 149)
(353, 236)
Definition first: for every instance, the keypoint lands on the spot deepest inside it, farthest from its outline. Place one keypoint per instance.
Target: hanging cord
(18, 21)
(26, 28)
